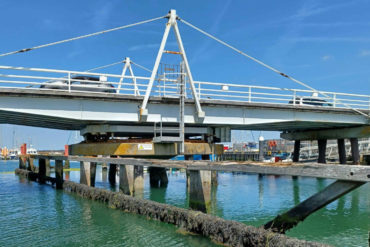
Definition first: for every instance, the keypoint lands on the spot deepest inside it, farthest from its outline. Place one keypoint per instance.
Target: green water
(35, 215)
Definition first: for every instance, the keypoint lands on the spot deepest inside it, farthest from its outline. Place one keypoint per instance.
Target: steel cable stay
(269, 67)
(82, 36)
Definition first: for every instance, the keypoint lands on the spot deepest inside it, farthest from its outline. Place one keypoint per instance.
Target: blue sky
(323, 43)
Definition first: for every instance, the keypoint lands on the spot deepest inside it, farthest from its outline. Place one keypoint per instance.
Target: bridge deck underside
(69, 111)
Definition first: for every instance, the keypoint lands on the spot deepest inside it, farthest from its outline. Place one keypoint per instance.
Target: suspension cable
(140, 66)
(104, 66)
(268, 66)
(80, 37)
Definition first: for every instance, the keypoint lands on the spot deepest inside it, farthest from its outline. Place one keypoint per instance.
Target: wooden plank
(358, 173)
(291, 218)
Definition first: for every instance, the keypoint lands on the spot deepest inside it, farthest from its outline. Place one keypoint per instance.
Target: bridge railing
(103, 83)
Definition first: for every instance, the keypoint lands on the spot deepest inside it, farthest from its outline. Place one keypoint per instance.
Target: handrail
(166, 87)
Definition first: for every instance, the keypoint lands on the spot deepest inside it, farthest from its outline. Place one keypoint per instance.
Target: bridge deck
(74, 111)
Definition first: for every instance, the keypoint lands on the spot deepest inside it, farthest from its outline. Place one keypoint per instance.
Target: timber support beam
(291, 218)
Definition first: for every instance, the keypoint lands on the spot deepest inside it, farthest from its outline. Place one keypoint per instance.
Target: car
(81, 83)
(310, 100)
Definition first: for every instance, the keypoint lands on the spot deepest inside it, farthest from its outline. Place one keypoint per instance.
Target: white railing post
(334, 100)
(69, 81)
(250, 94)
(199, 94)
(294, 96)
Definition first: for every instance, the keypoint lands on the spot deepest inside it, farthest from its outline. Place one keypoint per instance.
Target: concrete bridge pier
(87, 173)
(342, 151)
(112, 174)
(355, 151)
(131, 179)
(322, 150)
(158, 177)
(200, 185)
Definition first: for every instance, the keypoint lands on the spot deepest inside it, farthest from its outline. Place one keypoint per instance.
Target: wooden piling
(322, 150)
(112, 174)
(42, 171)
(47, 167)
(297, 147)
(131, 179)
(59, 174)
(158, 177)
(200, 190)
(87, 173)
(342, 151)
(355, 151)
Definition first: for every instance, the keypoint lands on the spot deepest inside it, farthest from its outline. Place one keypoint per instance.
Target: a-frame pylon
(172, 22)
(127, 62)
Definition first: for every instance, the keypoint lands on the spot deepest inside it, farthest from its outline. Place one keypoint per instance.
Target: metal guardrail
(42, 79)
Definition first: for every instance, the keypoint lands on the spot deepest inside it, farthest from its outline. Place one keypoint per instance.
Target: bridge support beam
(342, 151)
(297, 147)
(291, 218)
(200, 185)
(87, 173)
(322, 150)
(337, 133)
(131, 179)
(59, 174)
(158, 177)
(112, 174)
(355, 151)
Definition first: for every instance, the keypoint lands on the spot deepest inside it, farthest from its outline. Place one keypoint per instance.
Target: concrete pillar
(22, 163)
(355, 151)
(322, 150)
(59, 173)
(112, 174)
(42, 170)
(297, 147)
(47, 167)
(131, 179)
(87, 173)
(66, 164)
(200, 190)
(342, 151)
(158, 177)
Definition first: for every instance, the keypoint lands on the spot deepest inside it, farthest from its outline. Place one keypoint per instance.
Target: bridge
(130, 106)
(169, 113)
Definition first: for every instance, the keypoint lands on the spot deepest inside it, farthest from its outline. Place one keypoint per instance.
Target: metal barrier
(100, 83)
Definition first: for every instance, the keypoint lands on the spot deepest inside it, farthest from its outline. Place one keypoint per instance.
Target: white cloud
(328, 39)
(326, 57)
(364, 53)
(148, 46)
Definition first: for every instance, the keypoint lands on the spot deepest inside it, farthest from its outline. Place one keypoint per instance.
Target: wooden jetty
(201, 175)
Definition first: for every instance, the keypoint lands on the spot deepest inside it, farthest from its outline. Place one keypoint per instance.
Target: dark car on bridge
(81, 83)
(310, 101)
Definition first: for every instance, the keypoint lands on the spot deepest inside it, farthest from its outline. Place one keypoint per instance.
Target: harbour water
(38, 215)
